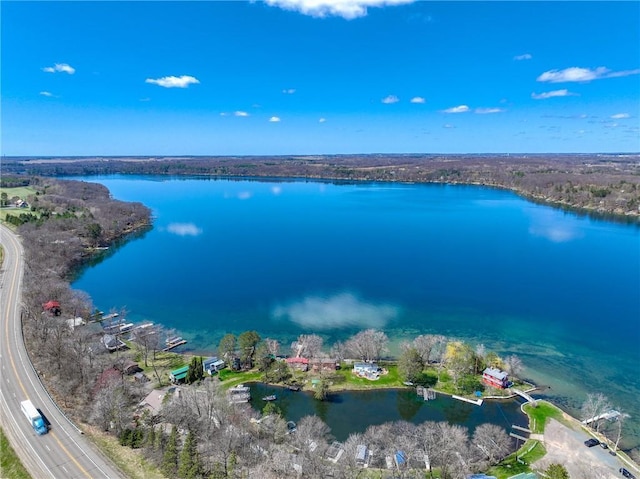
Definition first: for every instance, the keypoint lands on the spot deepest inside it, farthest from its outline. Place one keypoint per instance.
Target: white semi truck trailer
(34, 417)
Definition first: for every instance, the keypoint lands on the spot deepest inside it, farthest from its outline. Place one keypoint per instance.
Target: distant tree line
(600, 184)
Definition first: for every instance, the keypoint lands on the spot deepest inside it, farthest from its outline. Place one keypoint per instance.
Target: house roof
(51, 305)
(297, 361)
(495, 373)
(180, 373)
(154, 399)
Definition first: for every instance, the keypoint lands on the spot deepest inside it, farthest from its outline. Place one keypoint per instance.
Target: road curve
(64, 452)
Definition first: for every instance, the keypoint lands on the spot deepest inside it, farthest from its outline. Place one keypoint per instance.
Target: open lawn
(21, 192)
(539, 416)
(350, 381)
(165, 362)
(10, 465)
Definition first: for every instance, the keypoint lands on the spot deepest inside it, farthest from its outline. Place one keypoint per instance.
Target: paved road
(64, 452)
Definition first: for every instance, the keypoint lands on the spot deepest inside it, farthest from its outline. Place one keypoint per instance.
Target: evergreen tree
(170, 458)
(195, 372)
(189, 462)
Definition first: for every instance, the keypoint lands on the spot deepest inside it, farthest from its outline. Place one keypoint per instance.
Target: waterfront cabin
(301, 364)
(495, 378)
(179, 375)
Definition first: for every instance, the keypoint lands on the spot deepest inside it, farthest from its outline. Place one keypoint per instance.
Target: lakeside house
(367, 370)
(495, 378)
(212, 365)
(323, 364)
(362, 456)
(112, 343)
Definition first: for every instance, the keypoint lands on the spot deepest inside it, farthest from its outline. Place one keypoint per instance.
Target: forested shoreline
(601, 184)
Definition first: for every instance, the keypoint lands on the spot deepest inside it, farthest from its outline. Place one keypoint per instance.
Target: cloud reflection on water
(343, 310)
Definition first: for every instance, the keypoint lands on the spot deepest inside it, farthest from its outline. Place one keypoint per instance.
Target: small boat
(271, 397)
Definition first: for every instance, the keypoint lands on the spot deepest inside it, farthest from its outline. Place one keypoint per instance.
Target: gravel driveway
(566, 446)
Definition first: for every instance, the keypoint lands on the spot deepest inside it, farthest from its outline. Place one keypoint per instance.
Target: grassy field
(22, 192)
(130, 461)
(539, 416)
(10, 465)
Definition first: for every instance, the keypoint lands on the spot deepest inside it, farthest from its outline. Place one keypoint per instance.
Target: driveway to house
(64, 452)
(566, 446)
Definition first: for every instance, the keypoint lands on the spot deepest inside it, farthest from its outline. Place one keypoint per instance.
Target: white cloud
(525, 56)
(240, 113)
(343, 310)
(289, 91)
(184, 229)
(60, 67)
(46, 93)
(448, 125)
(551, 94)
(173, 82)
(322, 120)
(577, 74)
(418, 99)
(486, 111)
(274, 119)
(620, 116)
(390, 99)
(276, 190)
(224, 113)
(457, 109)
(348, 9)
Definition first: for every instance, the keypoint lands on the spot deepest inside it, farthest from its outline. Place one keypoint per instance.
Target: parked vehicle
(626, 473)
(34, 417)
(591, 442)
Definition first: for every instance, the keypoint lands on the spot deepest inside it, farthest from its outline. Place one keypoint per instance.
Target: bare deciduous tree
(368, 345)
(493, 441)
(594, 405)
(307, 345)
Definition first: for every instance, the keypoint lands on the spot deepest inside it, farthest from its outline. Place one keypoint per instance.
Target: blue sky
(319, 77)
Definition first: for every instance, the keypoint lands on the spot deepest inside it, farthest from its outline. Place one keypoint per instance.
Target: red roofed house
(52, 307)
(495, 378)
(301, 364)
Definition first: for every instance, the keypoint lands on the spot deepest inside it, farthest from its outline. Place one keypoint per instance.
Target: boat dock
(609, 415)
(477, 402)
(174, 343)
(426, 393)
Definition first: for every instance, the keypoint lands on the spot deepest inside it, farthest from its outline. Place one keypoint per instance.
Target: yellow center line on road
(10, 301)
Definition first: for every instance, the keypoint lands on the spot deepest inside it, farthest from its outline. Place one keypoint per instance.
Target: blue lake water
(291, 257)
